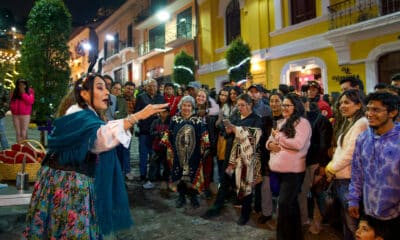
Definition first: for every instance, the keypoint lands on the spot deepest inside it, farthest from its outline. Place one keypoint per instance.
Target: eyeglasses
(287, 105)
(376, 110)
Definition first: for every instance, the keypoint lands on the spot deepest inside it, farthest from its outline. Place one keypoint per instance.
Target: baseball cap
(313, 83)
(194, 84)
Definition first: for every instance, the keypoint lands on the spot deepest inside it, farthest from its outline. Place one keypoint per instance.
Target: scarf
(73, 137)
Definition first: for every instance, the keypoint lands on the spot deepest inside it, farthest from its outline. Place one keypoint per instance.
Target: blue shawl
(73, 137)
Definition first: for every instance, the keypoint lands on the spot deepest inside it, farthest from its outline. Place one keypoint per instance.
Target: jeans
(289, 223)
(3, 137)
(145, 151)
(341, 187)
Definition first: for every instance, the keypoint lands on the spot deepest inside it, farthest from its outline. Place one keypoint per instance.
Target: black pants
(289, 222)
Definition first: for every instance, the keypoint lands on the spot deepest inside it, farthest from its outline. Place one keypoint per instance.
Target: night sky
(81, 10)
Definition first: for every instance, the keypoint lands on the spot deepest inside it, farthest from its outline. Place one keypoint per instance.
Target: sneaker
(129, 176)
(263, 219)
(148, 185)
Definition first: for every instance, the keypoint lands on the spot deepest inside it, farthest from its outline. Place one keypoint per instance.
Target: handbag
(324, 193)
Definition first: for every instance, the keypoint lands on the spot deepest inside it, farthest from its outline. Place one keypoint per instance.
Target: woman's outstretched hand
(151, 109)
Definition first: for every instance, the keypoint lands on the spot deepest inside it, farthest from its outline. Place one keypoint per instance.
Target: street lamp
(163, 15)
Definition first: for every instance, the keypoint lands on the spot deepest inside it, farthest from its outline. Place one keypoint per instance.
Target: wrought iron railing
(349, 12)
(182, 31)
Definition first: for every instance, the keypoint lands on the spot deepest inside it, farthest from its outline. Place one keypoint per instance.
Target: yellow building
(295, 41)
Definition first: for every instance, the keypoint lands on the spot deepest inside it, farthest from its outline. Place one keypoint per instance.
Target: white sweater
(341, 160)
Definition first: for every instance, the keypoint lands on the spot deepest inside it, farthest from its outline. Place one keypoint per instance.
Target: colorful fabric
(62, 207)
(187, 142)
(245, 159)
(73, 137)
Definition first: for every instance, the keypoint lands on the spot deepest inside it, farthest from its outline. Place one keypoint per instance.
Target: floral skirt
(62, 206)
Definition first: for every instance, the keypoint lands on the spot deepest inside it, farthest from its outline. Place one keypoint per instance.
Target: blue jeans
(3, 137)
(350, 224)
(145, 151)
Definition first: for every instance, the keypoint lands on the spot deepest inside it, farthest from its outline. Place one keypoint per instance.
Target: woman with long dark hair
(288, 146)
(354, 122)
(21, 103)
(80, 192)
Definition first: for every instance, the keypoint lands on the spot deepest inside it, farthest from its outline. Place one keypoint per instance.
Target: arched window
(232, 16)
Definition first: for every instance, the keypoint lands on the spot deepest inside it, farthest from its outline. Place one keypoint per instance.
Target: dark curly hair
(16, 94)
(289, 127)
(85, 83)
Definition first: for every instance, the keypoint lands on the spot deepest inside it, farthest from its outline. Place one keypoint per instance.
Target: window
(157, 5)
(116, 43)
(232, 21)
(184, 24)
(302, 10)
(130, 36)
(157, 37)
(105, 50)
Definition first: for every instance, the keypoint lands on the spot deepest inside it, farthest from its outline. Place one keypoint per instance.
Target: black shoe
(212, 212)
(194, 201)
(242, 221)
(263, 219)
(181, 201)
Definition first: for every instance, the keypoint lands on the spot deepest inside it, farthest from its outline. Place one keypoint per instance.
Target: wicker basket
(8, 171)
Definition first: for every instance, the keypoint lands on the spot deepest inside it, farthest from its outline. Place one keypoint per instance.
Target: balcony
(180, 34)
(113, 50)
(151, 48)
(350, 12)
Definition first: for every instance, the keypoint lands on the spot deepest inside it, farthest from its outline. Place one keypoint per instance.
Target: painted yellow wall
(328, 55)
(361, 49)
(304, 32)
(209, 79)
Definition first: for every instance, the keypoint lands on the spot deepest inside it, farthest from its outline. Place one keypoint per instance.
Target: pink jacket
(23, 106)
(292, 156)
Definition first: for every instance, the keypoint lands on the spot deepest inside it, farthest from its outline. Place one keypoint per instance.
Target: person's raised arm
(146, 112)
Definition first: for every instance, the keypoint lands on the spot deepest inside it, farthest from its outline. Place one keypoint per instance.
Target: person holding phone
(21, 104)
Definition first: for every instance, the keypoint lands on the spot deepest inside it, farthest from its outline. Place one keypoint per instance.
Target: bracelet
(130, 118)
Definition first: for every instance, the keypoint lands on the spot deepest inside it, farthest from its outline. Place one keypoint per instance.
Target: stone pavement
(156, 217)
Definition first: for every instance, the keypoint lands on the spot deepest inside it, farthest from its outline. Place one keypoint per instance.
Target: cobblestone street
(156, 217)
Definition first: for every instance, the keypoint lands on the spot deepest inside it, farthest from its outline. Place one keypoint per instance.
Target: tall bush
(45, 55)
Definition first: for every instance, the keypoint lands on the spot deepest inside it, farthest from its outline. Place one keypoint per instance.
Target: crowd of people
(263, 143)
(260, 139)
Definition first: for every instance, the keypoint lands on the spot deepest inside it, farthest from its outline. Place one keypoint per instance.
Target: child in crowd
(157, 129)
(369, 229)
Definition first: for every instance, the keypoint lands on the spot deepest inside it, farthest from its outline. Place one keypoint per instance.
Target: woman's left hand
(151, 109)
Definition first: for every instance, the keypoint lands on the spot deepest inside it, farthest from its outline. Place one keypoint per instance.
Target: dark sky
(81, 10)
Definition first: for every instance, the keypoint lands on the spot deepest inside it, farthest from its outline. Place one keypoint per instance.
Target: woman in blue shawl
(80, 191)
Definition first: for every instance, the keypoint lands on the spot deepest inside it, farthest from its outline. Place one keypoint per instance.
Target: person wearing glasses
(244, 156)
(80, 192)
(288, 146)
(352, 111)
(375, 175)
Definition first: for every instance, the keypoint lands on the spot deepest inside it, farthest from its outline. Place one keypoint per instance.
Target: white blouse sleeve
(110, 135)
